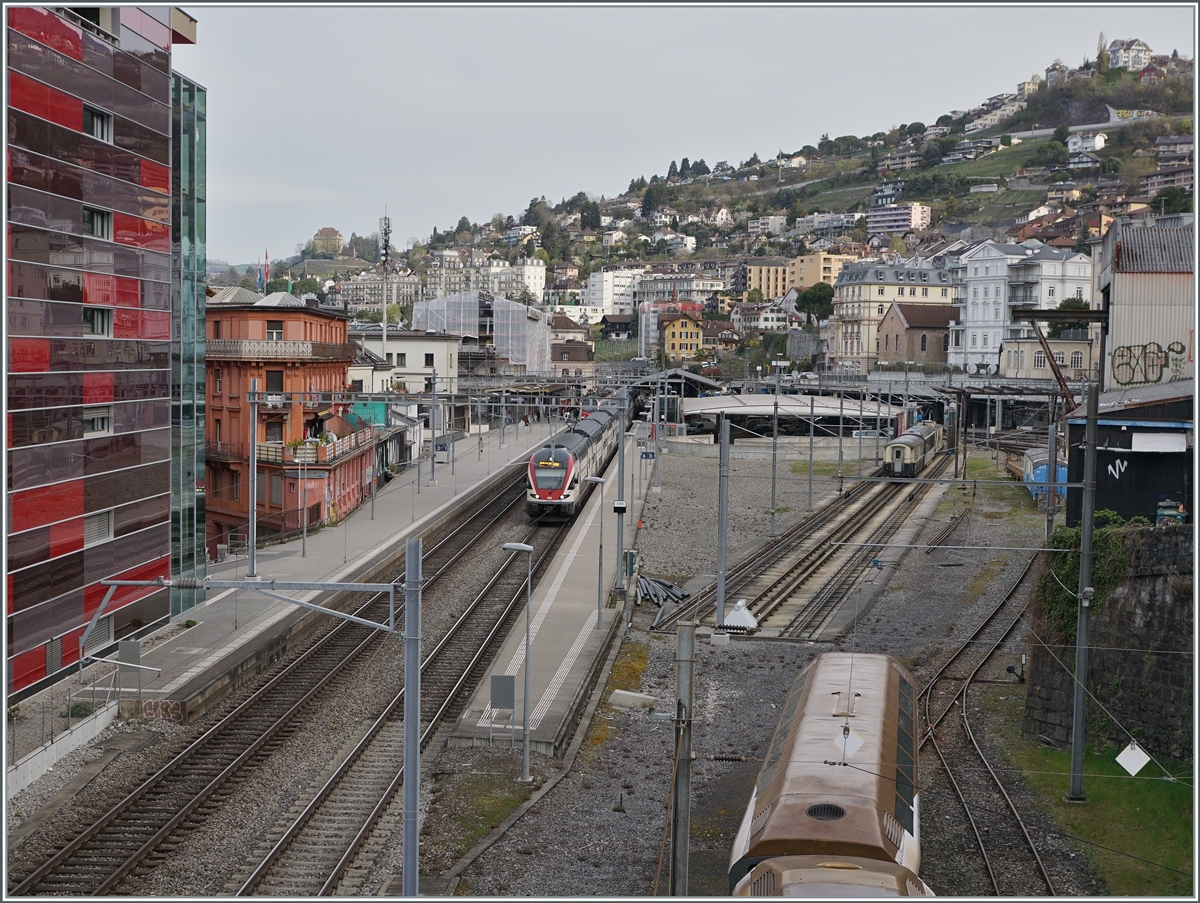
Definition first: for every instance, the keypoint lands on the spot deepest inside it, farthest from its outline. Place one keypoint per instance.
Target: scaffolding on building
(517, 332)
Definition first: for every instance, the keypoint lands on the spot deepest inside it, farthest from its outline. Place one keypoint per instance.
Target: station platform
(240, 632)
(568, 644)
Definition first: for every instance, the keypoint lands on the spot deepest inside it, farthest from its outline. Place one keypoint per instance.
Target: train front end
(551, 476)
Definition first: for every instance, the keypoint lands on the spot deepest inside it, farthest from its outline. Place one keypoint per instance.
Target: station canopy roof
(789, 406)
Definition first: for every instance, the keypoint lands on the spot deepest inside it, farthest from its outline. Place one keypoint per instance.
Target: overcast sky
(321, 116)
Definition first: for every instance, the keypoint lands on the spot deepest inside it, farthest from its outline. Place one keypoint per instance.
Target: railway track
(181, 795)
(1010, 860)
(321, 845)
(795, 585)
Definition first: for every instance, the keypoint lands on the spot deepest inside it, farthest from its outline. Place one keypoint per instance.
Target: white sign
(1132, 758)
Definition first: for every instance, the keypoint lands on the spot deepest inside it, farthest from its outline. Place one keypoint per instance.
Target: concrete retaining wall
(41, 760)
(1140, 662)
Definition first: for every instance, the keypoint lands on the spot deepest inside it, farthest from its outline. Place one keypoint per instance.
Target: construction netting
(519, 333)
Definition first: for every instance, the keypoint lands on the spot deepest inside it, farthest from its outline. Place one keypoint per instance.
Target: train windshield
(550, 468)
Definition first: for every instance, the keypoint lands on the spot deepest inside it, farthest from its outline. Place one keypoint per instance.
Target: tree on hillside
(464, 225)
(1172, 200)
(753, 161)
(536, 213)
(915, 128)
(589, 215)
(655, 197)
(754, 296)
(1061, 134)
(685, 168)
(700, 168)
(1101, 55)
(672, 171)
(636, 185)
(1082, 243)
(816, 301)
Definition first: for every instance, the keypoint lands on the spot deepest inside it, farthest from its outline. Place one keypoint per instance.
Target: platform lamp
(600, 576)
(528, 550)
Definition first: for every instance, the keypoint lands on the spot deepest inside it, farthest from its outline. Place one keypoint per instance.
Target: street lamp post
(528, 550)
(600, 578)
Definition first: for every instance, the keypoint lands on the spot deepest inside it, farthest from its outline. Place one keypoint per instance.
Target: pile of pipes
(659, 591)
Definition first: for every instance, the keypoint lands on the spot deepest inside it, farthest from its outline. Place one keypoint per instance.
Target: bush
(190, 623)
(79, 709)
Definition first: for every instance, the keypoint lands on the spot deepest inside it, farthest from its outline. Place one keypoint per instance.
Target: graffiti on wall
(1134, 365)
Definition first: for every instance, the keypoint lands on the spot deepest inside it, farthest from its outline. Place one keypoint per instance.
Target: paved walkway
(233, 623)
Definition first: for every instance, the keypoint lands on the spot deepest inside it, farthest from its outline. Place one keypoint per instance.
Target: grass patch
(480, 802)
(990, 570)
(626, 674)
(1143, 817)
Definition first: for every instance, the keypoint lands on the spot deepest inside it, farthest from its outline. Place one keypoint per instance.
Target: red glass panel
(125, 323)
(129, 292)
(29, 355)
(97, 388)
(49, 29)
(142, 233)
(28, 667)
(156, 177)
(40, 100)
(70, 646)
(45, 504)
(66, 537)
(156, 325)
(98, 289)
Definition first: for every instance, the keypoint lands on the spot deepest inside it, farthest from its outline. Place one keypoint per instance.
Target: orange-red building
(311, 454)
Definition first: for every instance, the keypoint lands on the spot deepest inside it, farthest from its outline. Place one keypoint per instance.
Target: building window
(356, 385)
(1077, 360)
(1059, 358)
(973, 339)
(214, 484)
(401, 359)
(97, 421)
(98, 124)
(97, 528)
(881, 310)
(216, 329)
(1039, 360)
(566, 371)
(274, 430)
(985, 291)
(946, 342)
(275, 331)
(985, 340)
(216, 382)
(924, 293)
(924, 342)
(886, 340)
(276, 489)
(900, 290)
(975, 291)
(944, 291)
(274, 380)
(429, 360)
(1050, 290)
(217, 429)
(97, 223)
(881, 291)
(97, 321)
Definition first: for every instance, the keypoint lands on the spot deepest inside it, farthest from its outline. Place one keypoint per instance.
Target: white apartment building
(776, 225)
(992, 280)
(898, 219)
(770, 316)
(819, 223)
(414, 356)
(366, 291)
(611, 290)
(665, 287)
(519, 234)
(449, 276)
(1130, 54)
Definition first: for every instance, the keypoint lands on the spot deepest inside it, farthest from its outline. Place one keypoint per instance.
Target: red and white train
(557, 469)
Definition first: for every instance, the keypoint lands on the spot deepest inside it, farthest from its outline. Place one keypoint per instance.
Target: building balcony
(315, 452)
(224, 451)
(276, 349)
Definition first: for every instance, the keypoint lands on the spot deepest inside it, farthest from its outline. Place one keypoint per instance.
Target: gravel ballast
(599, 829)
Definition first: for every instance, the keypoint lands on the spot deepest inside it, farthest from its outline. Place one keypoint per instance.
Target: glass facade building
(95, 292)
(188, 125)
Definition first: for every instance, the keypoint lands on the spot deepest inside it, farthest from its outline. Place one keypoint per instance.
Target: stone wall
(1140, 661)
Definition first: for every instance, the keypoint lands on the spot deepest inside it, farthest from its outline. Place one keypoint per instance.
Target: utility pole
(252, 569)
(1086, 592)
(1053, 472)
(385, 235)
(722, 520)
(774, 448)
(620, 504)
(681, 813)
(412, 714)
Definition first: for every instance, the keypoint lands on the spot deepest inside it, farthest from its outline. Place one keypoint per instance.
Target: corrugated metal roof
(1155, 250)
(1140, 396)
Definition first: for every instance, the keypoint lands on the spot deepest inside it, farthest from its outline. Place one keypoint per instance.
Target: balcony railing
(314, 452)
(224, 451)
(276, 349)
